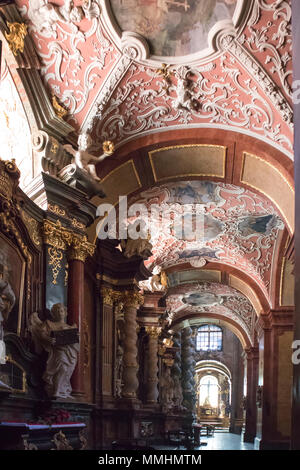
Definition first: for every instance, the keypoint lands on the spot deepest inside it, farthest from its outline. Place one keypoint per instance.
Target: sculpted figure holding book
(61, 342)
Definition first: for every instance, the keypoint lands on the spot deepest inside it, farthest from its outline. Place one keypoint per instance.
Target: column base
(78, 396)
(249, 437)
(260, 444)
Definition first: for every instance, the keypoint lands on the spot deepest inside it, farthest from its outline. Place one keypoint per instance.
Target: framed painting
(12, 270)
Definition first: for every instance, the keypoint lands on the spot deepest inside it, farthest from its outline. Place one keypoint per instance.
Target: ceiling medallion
(175, 31)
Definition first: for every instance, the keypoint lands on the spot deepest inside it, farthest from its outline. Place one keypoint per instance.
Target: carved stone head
(59, 313)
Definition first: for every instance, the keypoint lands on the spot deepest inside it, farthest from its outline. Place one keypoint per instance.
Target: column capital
(252, 353)
(107, 295)
(59, 237)
(153, 331)
(132, 299)
(80, 248)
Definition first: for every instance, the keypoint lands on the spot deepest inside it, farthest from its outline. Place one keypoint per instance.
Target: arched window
(209, 338)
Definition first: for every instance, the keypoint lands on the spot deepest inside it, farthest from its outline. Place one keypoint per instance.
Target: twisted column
(176, 371)
(188, 366)
(153, 333)
(131, 301)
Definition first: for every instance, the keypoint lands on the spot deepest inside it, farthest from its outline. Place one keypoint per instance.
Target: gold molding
(121, 166)
(267, 163)
(184, 175)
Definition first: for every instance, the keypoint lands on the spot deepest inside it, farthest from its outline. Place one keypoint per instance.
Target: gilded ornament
(108, 147)
(33, 228)
(132, 299)
(55, 257)
(80, 248)
(165, 72)
(60, 110)
(77, 224)
(61, 442)
(168, 342)
(107, 295)
(153, 331)
(16, 36)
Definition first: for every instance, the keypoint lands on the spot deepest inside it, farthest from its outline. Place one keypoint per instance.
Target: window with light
(209, 338)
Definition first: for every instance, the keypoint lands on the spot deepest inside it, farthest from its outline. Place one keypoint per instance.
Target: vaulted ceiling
(197, 97)
(235, 54)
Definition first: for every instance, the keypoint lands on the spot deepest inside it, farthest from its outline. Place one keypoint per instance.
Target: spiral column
(132, 300)
(153, 333)
(176, 371)
(188, 366)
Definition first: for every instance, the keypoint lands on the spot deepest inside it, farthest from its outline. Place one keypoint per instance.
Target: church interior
(147, 225)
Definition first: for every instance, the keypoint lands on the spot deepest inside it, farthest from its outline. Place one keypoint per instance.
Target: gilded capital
(80, 248)
(153, 331)
(132, 299)
(107, 295)
(56, 235)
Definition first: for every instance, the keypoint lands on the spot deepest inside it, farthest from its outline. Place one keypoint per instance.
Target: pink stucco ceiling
(82, 64)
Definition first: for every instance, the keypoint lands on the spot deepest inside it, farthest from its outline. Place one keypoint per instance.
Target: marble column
(153, 333)
(252, 383)
(188, 366)
(78, 251)
(131, 301)
(176, 371)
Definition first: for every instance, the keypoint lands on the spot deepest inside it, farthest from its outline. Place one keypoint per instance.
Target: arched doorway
(214, 385)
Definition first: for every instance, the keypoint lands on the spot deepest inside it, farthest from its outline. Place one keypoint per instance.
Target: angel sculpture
(86, 161)
(62, 359)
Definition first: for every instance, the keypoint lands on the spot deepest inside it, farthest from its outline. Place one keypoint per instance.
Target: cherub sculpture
(62, 359)
(85, 160)
(156, 283)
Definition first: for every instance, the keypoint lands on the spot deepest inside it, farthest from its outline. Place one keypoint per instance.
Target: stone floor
(225, 441)
(220, 441)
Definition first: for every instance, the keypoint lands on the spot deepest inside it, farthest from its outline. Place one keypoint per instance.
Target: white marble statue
(83, 159)
(156, 283)
(44, 15)
(61, 360)
(184, 97)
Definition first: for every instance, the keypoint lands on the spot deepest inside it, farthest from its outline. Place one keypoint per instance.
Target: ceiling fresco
(240, 228)
(209, 297)
(112, 90)
(172, 27)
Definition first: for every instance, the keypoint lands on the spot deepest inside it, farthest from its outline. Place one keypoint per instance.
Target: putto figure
(86, 161)
(62, 358)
